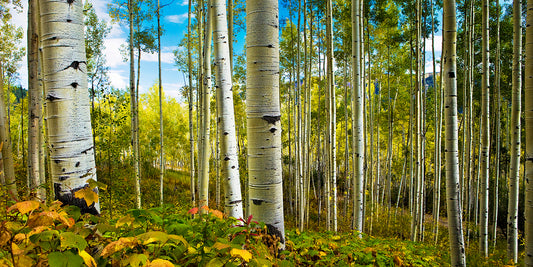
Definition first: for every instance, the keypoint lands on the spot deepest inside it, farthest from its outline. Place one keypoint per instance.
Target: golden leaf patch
(242, 253)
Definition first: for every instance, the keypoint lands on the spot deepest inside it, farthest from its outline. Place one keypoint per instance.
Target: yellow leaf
(16, 249)
(336, 238)
(160, 263)
(19, 237)
(88, 259)
(126, 220)
(5, 236)
(244, 254)
(124, 242)
(88, 195)
(321, 254)
(221, 246)
(397, 261)
(23, 261)
(25, 207)
(153, 236)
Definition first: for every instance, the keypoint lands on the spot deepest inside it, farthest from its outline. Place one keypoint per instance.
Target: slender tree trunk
(485, 135)
(358, 154)
(455, 229)
(34, 107)
(162, 154)
(498, 127)
(133, 100)
(67, 102)
(528, 99)
(512, 217)
(263, 116)
(191, 128)
(203, 182)
(5, 138)
(228, 139)
(332, 112)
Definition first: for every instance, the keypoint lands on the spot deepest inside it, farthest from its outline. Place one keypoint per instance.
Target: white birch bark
(455, 229)
(161, 139)
(528, 99)
(357, 120)
(203, 176)
(67, 101)
(485, 135)
(226, 113)
(5, 139)
(263, 115)
(34, 109)
(514, 175)
(332, 122)
(191, 128)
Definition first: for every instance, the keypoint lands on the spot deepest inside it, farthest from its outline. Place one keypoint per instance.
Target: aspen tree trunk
(34, 107)
(455, 229)
(226, 113)
(498, 126)
(358, 154)
(5, 138)
(512, 217)
(332, 112)
(191, 128)
(162, 154)
(203, 181)
(528, 99)
(67, 102)
(263, 115)
(133, 100)
(485, 135)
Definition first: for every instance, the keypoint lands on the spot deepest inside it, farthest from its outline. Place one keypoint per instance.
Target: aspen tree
(133, 106)
(528, 99)
(160, 90)
(449, 70)
(203, 176)
(358, 153)
(191, 128)
(498, 125)
(485, 135)
(512, 217)
(67, 101)
(35, 109)
(226, 113)
(263, 115)
(5, 140)
(332, 122)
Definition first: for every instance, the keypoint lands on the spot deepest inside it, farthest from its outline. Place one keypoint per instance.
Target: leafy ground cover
(37, 234)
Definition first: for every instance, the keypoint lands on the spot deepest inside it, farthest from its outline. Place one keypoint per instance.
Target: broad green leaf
(64, 259)
(215, 262)
(71, 240)
(136, 260)
(93, 184)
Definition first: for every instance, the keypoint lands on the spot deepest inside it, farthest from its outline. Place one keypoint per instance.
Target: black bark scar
(75, 65)
(271, 119)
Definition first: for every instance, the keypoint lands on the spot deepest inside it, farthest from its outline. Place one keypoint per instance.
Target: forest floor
(39, 234)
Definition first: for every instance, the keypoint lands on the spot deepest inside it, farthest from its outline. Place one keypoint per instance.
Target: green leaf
(64, 259)
(215, 262)
(153, 236)
(136, 260)
(71, 240)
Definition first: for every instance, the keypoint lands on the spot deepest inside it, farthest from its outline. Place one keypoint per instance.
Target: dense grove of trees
(326, 118)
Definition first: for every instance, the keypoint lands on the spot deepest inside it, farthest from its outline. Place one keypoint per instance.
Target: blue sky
(174, 20)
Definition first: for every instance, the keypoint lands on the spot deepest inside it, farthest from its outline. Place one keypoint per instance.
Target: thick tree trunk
(5, 139)
(226, 113)
(455, 229)
(263, 115)
(67, 101)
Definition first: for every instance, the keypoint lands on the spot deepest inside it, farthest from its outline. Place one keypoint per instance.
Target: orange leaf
(25, 207)
(217, 214)
(221, 246)
(193, 211)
